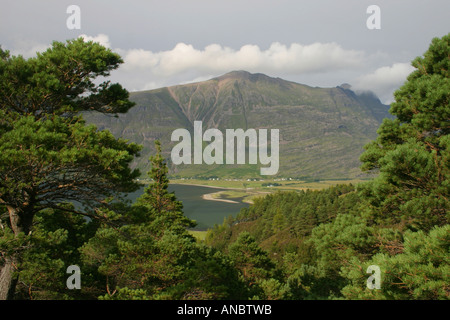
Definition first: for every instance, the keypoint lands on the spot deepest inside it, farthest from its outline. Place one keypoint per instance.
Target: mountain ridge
(322, 130)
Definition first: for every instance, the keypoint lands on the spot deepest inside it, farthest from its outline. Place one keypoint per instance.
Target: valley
(322, 132)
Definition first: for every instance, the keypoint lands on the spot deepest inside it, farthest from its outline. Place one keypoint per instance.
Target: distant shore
(207, 186)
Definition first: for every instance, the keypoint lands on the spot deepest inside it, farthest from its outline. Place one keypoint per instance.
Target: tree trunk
(20, 222)
(7, 279)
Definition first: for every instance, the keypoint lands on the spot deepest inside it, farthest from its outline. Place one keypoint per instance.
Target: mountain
(322, 130)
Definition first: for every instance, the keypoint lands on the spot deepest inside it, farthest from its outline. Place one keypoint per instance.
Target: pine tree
(420, 271)
(48, 156)
(157, 197)
(408, 209)
(252, 261)
(412, 151)
(52, 247)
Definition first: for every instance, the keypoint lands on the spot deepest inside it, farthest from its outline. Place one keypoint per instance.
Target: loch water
(206, 213)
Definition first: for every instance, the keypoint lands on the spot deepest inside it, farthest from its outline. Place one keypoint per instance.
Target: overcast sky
(315, 42)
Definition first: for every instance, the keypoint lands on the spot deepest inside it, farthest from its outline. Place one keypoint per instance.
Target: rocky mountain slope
(322, 130)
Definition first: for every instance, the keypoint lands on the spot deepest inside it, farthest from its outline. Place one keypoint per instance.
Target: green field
(248, 189)
(285, 184)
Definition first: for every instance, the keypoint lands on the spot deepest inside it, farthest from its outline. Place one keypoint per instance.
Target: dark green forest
(61, 201)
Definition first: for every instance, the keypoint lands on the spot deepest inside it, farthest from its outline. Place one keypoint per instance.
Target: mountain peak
(244, 75)
(345, 86)
(236, 74)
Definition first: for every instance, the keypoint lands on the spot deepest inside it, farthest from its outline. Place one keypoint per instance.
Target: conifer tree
(252, 261)
(408, 208)
(48, 156)
(157, 197)
(420, 271)
(412, 151)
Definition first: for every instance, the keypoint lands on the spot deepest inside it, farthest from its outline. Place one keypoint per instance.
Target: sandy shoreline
(209, 196)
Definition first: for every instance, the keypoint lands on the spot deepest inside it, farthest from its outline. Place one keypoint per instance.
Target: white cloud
(145, 69)
(136, 59)
(296, 58)
(101, 38)
(385, 80)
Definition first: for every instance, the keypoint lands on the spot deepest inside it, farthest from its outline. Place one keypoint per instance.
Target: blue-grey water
(206, 213)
